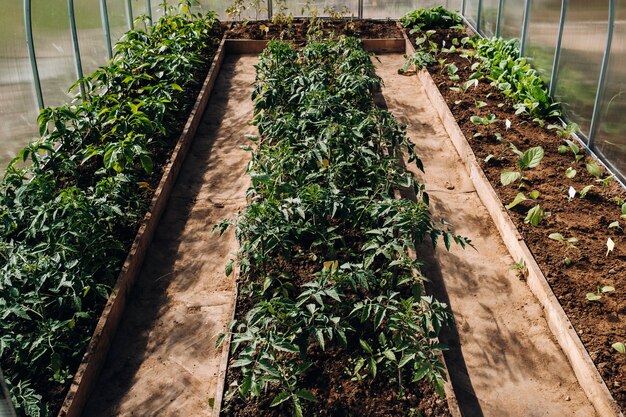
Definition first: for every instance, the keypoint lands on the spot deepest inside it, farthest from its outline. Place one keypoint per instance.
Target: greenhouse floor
(503, 359)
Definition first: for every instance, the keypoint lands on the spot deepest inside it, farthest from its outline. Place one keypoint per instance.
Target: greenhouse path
(503, 359)
(163, 361)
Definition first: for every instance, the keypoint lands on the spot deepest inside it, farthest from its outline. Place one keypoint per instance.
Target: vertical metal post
(499, 17)
(28, 24)
(149, 6)
(270, 9)
(104, 12)
(77, 61)
(595, 119)
(478, 15)
(557, 49)
(522, 48)
(463, 7)
(129, 15)
(360, 9)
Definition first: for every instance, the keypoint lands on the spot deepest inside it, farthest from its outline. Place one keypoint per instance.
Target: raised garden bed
(566, 256)
(153, 174)
(298, 29)
(279, 365)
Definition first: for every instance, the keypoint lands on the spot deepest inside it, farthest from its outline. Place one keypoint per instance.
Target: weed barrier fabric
(331, 317)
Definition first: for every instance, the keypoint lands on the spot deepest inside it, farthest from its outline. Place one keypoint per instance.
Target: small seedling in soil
(452, 72)
(583, 193)
(420, 59)
(565, 132)
(529, 159)
(596, 296)
(570, 172)
(623, 216)
(534, 195)
(606, 181)
(534, 216)
(520, 267)
(568, 243)
(620, 347)
(479, 104)
(615, 225)
(575, 149)
(488, 120)
(594, 169)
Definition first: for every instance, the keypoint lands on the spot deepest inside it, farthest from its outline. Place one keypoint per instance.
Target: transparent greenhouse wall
(611, 135)
(575, 81)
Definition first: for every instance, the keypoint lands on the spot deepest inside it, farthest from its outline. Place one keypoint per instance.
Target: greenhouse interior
(313, 208)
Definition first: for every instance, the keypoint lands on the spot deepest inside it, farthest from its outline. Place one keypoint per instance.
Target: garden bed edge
(585, 370)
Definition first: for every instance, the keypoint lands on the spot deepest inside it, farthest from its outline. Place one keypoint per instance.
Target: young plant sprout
(596, 296)
(534, 216)
(620, 347)
(487, 120)
(526, 160)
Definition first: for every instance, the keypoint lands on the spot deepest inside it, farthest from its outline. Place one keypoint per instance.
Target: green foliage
(600, 290)
(418, 60)
(499, 60)
(531, 158)
(432, 18)
(323, 175)
(71, 201)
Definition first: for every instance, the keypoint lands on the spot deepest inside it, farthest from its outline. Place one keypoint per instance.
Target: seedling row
(331, 312)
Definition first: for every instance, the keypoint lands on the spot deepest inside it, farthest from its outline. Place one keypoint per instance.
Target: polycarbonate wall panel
(471, 11)
(54, 50)
(18, 109)
(322, 8)
(543, 29)
(91, 37)
(381, 9)
(611, 136)
(582, 48)
(489, 17)
(512, 18)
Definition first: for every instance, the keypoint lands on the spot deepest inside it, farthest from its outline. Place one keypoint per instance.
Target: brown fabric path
(503, 360)
(163, 361)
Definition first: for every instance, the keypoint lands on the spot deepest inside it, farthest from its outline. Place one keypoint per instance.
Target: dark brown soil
(338, 395)
(598, 323)
(265, 29)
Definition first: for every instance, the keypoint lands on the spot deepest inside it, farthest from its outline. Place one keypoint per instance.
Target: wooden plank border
(586, 372)
(86, 377)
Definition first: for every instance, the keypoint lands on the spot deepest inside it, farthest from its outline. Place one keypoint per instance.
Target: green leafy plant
(433, 18)
(600, 291)
(485, 121)
(521, 268)
(573, 148)
(500, 61)
(418, 60)
(568, 243)
(620, 347)
(531, 158)
(534, 216)
(71, 201)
